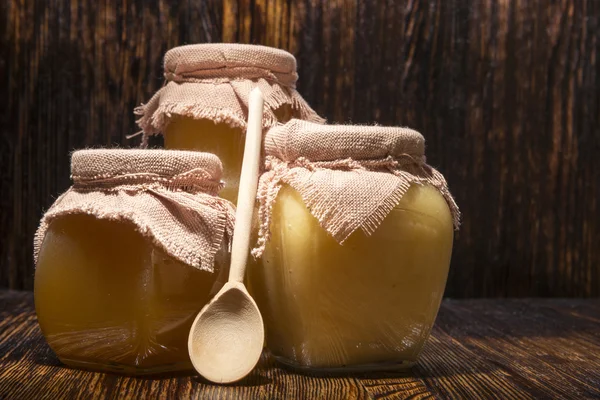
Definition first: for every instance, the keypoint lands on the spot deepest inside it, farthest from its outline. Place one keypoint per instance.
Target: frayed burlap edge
(406, 171)
(157, 113)
(205, 261)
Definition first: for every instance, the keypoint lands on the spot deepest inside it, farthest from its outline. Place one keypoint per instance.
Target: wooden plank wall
(505, 92)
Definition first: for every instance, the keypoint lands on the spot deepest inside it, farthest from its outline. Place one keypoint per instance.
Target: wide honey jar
(128, 256)
(355, 243)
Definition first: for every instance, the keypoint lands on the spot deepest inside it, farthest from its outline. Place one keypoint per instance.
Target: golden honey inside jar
(204, 105)
(122, 269)
(221, 139)
(359, 245)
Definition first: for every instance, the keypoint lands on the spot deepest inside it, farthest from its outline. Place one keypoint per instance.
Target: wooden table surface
(486, 349)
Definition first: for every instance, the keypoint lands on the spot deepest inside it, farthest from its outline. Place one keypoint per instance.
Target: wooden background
(505, 92)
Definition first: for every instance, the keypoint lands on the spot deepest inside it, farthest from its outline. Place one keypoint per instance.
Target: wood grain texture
(490, 349)
(506, 92)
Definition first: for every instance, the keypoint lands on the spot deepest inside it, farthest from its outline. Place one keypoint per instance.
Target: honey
(203, 105)
(367, 304)
(224, 141)
(128, 256)
(221, 139)
(107, 299)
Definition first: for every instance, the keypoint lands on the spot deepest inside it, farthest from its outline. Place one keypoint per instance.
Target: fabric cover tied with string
(349, 176)
(170, 198)
(213, 81)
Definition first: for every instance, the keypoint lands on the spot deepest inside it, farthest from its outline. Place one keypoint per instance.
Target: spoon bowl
(229, 335)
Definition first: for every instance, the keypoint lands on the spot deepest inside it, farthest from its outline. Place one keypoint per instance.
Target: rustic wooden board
(506, 93)
(490, 349)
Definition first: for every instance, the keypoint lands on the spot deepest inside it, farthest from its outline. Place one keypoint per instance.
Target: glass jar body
(226, 142)
(107, 299)
(221, 139)
(368, 304)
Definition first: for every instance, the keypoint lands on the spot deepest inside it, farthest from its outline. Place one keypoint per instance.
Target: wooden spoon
(227, 336)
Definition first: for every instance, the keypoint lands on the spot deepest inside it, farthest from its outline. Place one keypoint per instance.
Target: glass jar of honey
(127, 257)
(356, 238)
(204, 103)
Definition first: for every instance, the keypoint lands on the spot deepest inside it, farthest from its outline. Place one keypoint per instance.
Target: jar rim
(194, 57)
(322, 142)
(90, 164)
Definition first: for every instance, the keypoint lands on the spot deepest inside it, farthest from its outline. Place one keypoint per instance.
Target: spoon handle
(248, 187)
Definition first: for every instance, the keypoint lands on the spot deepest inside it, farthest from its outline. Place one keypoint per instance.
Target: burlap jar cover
(213, 81)
(168, 196)
(350, 177)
